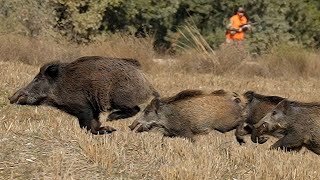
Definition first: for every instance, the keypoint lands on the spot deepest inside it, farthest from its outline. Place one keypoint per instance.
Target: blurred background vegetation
(85, 21)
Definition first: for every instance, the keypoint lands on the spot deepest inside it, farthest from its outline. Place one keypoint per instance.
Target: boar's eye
(36, 79)
(274, 113)
(52, 70)
(146, 113)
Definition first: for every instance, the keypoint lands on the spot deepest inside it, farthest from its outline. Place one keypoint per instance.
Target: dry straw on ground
(44, 143)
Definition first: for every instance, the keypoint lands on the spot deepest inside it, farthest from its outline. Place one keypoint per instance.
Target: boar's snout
(134, 124)
(263, 128)
(20, 97)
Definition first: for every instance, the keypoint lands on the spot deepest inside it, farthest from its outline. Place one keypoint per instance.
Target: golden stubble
(44, 143)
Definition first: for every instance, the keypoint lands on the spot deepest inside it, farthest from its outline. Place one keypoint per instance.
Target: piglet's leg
(241, 131)
(185, 133)
(290, 142)
(245, 129)
(256, 134)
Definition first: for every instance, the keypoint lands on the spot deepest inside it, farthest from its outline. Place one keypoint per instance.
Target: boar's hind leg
(290, 142)
(124, 113)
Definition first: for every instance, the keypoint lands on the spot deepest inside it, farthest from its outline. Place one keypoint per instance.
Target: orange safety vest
(236, 22)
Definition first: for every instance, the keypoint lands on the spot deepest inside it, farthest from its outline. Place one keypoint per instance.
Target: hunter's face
(240, 14)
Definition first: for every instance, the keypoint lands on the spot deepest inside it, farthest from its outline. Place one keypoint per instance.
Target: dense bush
(84, 21)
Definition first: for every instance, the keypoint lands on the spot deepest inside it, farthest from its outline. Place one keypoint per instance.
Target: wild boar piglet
(297, 123)
(191, 112)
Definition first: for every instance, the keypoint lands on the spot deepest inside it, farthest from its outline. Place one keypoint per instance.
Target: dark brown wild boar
(189, 113)
(255, 108)
(88, 86)
(297, 123)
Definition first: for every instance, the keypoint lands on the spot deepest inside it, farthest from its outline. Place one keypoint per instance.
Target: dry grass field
(44, 143)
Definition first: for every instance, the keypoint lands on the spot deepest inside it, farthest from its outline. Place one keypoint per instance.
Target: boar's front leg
(123, 113)
(84, 119)
(256, 134)
(245, 129)
(87, 120)
(290, 142)
(98, 130)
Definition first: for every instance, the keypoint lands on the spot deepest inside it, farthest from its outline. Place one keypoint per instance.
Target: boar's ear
(249, 95)
(51, 70)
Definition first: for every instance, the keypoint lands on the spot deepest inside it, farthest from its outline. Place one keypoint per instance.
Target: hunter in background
(236, 27)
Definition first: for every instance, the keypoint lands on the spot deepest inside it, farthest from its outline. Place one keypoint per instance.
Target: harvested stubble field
(44, 143)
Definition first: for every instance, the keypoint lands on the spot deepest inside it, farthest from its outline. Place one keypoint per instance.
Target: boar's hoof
(103, 130)
(240, 140)
(262, 139)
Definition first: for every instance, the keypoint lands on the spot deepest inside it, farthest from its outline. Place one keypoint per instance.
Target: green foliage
(80, 20)
(272, 27)
(84, 21)
(304, 20)
(28, 17)
(154, 16)
(275, 21)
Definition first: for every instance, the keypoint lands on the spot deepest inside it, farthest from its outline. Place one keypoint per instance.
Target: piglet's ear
(286, 105)
(51, 70)
(276, 99)
(156, 103)
(249, 95)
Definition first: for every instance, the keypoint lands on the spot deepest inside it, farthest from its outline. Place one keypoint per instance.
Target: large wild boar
(87, 86)
(255, 108)
(189, 113)
(297, 123)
